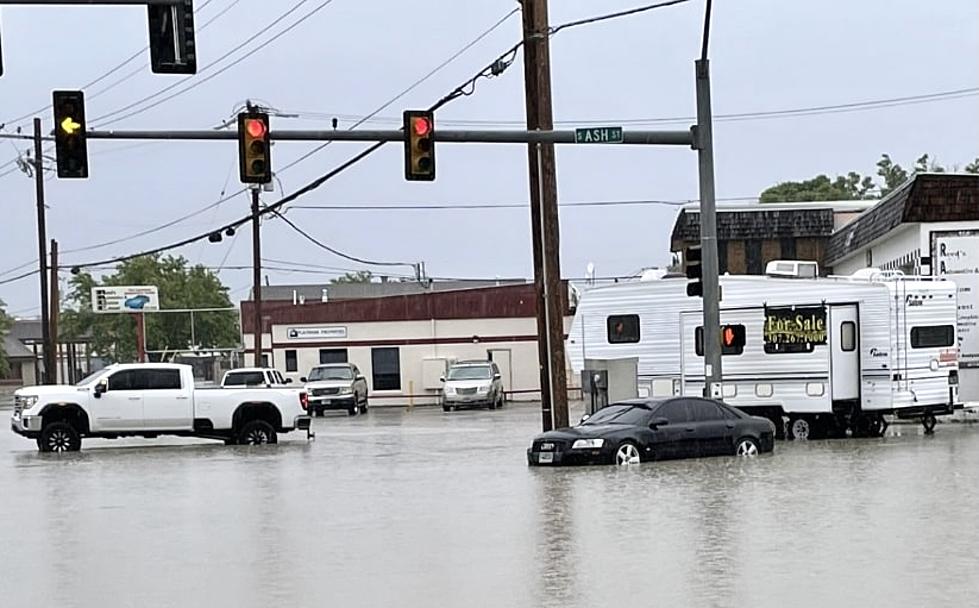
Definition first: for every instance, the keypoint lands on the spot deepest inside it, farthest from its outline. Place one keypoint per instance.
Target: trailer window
(932, 336)
(623, 329)
(735, 348)
(848, 336)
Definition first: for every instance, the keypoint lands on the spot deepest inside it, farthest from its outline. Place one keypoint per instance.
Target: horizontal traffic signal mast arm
(662, 138)
(87, 2)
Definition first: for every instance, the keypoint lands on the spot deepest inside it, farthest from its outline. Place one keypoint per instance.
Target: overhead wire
(196, 82)
(466, 88)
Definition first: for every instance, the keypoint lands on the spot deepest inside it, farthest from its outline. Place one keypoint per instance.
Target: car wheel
(59, 437)
(800, 428)
(352, 410)
(257, 432)
(627, 453)
(363, 405)
(746, 446)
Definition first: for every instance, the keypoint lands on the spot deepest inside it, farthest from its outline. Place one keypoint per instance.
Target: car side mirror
(583, 418)
(303, 380)
(497, 376)
(655, 423)
(100, 388)
(288, 380)
(442, 379)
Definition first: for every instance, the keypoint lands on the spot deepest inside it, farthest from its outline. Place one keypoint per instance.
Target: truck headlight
(587, 444)
(450, 390)
(346, 390)
(26, 402)
(484, 389)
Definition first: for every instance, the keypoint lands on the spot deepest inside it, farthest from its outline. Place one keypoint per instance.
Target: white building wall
(417, 341)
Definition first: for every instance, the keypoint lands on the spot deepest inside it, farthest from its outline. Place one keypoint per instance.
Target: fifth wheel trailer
(830, 354)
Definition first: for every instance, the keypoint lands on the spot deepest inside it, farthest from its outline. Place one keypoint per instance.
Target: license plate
(545, 458)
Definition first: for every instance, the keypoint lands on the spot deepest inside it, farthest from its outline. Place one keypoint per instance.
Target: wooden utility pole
(42, 257)
(544, 217)
(55, 309)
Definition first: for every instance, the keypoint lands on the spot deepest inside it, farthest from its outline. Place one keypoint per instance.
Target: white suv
(472, 384)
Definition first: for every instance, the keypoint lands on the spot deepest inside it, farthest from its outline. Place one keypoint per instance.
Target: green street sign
(598, 135)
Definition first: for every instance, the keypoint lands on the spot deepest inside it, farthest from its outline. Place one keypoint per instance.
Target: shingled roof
(926, 197)
(759, 221)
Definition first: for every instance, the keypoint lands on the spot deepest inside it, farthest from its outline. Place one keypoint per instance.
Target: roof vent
(795, 269)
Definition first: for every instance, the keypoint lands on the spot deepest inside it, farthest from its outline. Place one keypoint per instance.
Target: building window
(386, 369)
(848, 336)
(265, 360)
(932, 336)
(721, 257)
(623, 329)
(753, 259)
(292, 364)
(333, 355)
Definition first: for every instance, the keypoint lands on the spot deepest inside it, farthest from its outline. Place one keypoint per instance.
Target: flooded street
(426, 509)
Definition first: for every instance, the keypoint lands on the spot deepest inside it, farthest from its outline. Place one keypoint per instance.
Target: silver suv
(336, 386)
(472, 384)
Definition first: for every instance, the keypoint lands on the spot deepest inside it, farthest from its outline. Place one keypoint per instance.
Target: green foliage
(180, 286)
(361, 276)
(5, 322)
(854, 186)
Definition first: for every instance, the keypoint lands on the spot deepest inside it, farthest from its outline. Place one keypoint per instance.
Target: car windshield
(89, 379)
(470, 372)
(617, 414)
(244, 379)
(331, 373)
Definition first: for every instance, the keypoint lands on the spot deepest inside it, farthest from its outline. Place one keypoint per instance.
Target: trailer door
(844, 332)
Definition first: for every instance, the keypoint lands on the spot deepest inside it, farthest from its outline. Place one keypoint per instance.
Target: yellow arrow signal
(69, 125)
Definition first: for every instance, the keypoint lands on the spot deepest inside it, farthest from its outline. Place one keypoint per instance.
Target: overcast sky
(352, 56)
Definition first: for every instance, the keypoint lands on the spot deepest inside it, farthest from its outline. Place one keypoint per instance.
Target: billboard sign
(133, 298)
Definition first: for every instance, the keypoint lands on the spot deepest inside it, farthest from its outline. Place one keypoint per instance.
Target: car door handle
(135, 398)
(730, 425)
(183, 398)
(691, 429)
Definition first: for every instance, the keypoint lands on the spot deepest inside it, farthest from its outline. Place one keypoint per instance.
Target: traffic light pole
(708, 234)
(42, 255)
(256, 278)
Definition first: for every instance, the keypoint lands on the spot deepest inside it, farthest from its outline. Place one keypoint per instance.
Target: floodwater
(426, 509)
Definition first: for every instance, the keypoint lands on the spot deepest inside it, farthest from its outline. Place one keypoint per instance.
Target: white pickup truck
(148, 400)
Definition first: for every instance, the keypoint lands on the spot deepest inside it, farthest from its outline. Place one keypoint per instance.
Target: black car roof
(647, 403)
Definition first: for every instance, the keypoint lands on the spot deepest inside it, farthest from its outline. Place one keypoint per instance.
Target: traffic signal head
(70, 144)
(694, 270)
(172, 45)
(254, 149)
(419, 128)
(732, 337)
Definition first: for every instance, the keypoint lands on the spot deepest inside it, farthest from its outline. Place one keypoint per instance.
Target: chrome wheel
(747, 447)
(59, 441)
(256, 437)
(627, 454)
(801, 429)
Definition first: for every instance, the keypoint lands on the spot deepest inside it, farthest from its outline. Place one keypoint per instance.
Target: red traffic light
(255, 128)
(421, 125)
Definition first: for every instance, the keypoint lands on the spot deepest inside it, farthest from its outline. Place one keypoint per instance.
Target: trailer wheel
(801, 428)
(929, 421)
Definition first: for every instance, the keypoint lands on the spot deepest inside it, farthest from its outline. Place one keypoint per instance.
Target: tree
(4, 328)
(360, 276)
(854, 186)
(180, 286)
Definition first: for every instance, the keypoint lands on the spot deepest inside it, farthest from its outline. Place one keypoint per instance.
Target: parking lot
(425, 508)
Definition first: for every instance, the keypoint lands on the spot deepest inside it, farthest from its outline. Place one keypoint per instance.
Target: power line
(126, 62)
(336, 252)
(871, 104)
(199, 81)
(470, 206)
(495, 68)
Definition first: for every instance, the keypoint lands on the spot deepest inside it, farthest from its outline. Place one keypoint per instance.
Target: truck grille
(467, 391)
(319, 392)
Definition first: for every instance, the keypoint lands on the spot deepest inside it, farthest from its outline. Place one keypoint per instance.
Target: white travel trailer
(830, 354)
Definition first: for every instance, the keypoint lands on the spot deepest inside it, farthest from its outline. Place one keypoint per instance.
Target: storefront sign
(316, 333)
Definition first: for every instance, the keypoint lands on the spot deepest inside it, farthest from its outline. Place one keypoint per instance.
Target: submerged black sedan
(636, 431)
